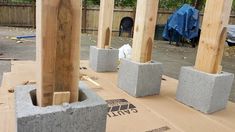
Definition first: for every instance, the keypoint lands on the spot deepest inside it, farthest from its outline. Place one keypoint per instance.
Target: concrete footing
(103, 60)
(140, 79)
(89, 115)
(205, 92)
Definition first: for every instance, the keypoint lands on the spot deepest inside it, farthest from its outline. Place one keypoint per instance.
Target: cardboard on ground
(159, 113)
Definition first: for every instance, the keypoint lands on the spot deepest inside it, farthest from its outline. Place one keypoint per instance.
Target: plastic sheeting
(231, 33)
(184, 22)
(125, 51)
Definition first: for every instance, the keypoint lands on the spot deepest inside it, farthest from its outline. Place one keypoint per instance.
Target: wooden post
(105, 23)
(145, 22)
(58, 43)
(211, 45)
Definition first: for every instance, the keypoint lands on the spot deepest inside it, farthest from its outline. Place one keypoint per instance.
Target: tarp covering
(231, 33)
(183, 22)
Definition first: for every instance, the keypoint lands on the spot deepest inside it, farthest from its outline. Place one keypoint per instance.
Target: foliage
(22, 1)
(122, 3)
(233, 8)
(129, 3)
(92, 2)
(170, 4)
(167, 4)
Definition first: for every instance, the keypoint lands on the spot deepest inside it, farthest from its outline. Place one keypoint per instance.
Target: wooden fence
(91, 19)
(19, 14)
(23, 15)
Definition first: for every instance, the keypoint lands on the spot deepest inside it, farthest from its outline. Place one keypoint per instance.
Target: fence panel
(22, 13)
(19, 13)
(92, 19)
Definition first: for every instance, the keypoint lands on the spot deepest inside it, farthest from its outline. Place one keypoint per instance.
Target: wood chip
(11, 90)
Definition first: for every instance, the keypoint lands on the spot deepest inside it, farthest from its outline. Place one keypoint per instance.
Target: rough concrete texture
(103, 60)
(205, 92)
(89, 115)
(140, 79)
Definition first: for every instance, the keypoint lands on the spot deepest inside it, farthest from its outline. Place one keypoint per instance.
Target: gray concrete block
(140, 79)
(103, 60)
(89, 115)
(205, 92)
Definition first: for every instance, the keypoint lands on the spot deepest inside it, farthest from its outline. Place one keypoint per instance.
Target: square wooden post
(145, 22)
(211, 45)
(105, 23)
(58, 48)
(200, 87)
(137, 77)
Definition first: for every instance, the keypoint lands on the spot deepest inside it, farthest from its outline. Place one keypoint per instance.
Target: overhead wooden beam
(145, 22)
(105, 23)
(213, 35)
(58, 47)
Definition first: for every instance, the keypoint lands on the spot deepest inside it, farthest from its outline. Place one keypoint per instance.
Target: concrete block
(140, 79)
(89, 115)
(103, 60)
(205, 92)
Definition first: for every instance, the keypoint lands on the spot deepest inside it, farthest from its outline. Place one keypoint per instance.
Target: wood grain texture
(146, 15)
(211, 45)
(105, 23)
(61, 97)
(58, 44)
(218, 67)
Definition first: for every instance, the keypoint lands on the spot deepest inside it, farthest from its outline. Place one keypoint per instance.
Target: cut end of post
(61, 97)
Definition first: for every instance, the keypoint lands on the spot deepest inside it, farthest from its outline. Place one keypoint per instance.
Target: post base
(103, 60)
(88, 115)
(140, 79)
(205, 92)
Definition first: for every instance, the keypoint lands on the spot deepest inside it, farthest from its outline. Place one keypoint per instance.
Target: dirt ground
(173, 58)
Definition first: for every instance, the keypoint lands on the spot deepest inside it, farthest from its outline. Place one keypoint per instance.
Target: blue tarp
(184, 22)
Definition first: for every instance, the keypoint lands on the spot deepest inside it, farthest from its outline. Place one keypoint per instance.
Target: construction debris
(18, 42)
(8, 59)
(11, 90)
(90, 80)
(229, 51)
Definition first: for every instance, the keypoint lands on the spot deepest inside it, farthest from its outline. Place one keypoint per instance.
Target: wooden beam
(105, 23)
(145, 22)
(211, 45)
(58, 43)
(61, 97)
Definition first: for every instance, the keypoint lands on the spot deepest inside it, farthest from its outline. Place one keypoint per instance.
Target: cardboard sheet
(159, 113)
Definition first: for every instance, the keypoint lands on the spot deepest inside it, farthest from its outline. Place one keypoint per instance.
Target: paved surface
(172, 57)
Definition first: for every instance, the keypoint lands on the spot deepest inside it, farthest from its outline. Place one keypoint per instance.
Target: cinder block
(140, 79)
(103, 60)
(205, 92)
(89, 115)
